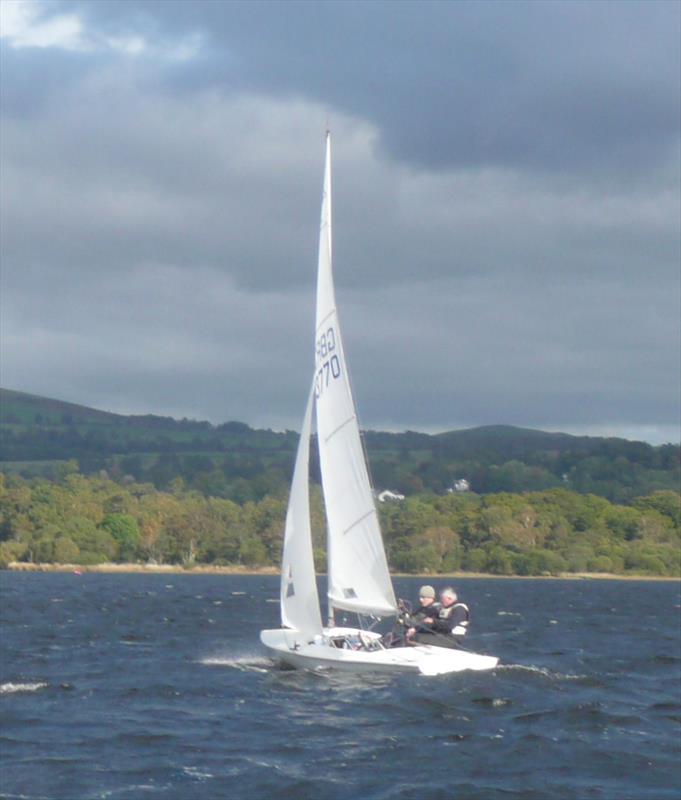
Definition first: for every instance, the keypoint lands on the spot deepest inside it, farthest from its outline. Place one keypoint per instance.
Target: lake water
(155, 686)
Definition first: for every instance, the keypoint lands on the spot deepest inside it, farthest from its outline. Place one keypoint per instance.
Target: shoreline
(149, 569)
(236, 569)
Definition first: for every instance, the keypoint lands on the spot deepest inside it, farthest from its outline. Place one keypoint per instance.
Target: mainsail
(299, 598)
(358, 571)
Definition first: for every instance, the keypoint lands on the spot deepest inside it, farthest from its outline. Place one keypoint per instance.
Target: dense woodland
(83, 486)
(90, 520)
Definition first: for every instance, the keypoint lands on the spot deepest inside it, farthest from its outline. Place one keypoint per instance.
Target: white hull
(289, 647)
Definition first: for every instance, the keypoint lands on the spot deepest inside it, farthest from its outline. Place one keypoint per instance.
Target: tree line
(83, 519)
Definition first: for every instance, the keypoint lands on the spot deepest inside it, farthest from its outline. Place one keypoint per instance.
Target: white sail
(299, 598)
(358, 571)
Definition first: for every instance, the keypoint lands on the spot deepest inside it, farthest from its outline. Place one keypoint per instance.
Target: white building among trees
(386, 494)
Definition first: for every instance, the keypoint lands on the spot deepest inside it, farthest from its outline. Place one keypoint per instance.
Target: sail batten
(340, 427)
(321, 323)
(360, 519)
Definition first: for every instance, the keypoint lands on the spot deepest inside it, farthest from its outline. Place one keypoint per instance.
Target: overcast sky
(507, 196)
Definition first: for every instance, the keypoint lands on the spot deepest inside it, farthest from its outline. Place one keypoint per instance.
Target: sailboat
(358, 577)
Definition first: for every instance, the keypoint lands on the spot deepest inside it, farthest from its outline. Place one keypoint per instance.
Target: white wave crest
(11, 688)
(195, 772)
(547, 673)
(245, 663)
(145, 787)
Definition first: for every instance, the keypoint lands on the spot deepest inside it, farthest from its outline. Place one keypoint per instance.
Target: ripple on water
(492, 702)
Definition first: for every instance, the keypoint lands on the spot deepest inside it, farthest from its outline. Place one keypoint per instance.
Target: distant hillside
(20, 408)
(495, 443)
(41, 436)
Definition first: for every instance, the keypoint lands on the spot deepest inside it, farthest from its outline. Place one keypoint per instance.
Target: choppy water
(137, 686)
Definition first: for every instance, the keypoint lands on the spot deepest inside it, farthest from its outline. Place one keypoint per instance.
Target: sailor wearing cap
(425, 613)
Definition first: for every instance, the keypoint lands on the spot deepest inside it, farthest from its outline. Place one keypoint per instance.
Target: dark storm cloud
(195, 180)
(115, 176)
(549, 86)
(515, 259)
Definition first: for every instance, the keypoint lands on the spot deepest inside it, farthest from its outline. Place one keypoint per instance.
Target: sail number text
(328, 364)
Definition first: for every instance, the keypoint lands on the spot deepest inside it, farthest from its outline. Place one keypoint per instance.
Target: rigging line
(339, 428)
(358, 520)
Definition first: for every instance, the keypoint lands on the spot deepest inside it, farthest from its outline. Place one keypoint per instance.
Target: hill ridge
(44, 437)
(15, 395)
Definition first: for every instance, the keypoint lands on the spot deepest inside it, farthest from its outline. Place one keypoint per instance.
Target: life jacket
(461, 627)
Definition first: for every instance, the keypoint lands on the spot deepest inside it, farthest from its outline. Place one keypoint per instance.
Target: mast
(325, 241)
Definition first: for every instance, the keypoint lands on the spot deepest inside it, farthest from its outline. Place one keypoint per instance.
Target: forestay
(299, 598)
(358, 571)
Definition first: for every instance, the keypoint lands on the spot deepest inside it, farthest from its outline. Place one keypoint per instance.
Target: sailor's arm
(456, 622)
(443, 625)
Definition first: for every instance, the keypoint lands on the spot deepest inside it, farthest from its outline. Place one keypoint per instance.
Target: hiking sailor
(446, 626)
(425, 613)
(452, 618)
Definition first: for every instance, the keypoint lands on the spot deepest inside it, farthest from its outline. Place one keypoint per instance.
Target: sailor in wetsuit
(450, 624)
